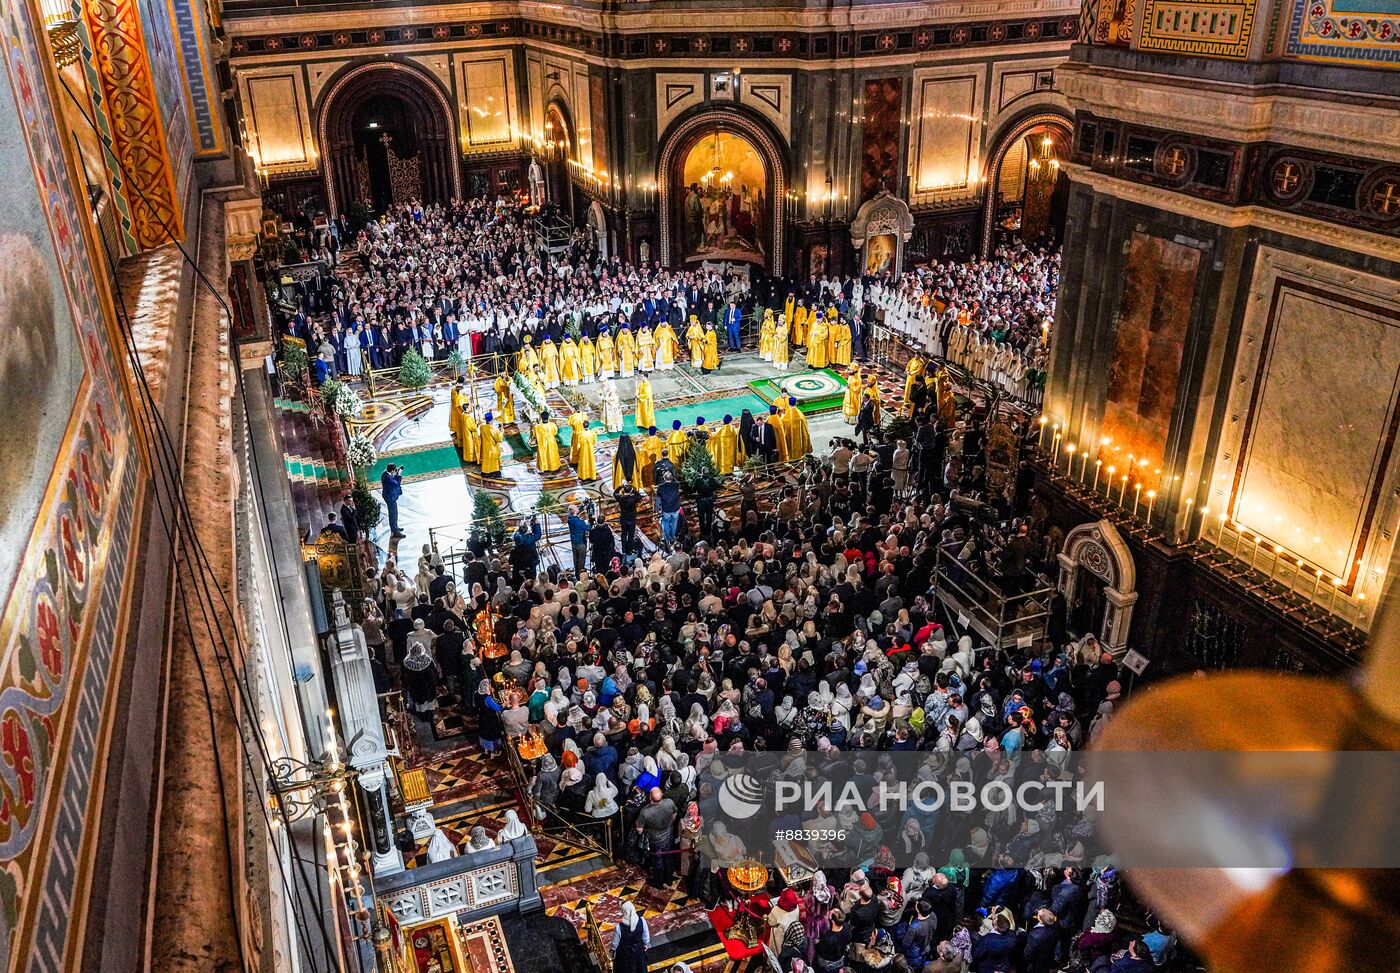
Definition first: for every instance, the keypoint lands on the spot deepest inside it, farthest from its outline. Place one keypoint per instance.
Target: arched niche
(1097, 549)
(1042, 119)
(882, 226)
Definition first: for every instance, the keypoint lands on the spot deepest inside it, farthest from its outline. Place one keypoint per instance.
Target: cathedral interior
(486, 432)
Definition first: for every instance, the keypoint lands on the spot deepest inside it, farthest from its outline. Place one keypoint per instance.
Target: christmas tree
(414, 372)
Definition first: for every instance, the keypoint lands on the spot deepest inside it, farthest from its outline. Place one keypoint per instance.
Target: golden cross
(1385, 200)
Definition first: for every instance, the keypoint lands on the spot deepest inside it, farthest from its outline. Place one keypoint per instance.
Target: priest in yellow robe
(677, 444)
(782, 350)
(626, 352)
(816, 342)
(666, 343)
(775, 423)
(798, 435)
(789, 308)
(578, 421)
(569, 369)
(765, 336)
(586, 465)
(587, 360)
(454, 410)
(549, 362)
(627, 465)
(695, 339)
(840, 343)
(799, 324)
(646, 404)
(607, 354)
(647, 455)
(469, 443)
(850, 403)
(724, 446)
(711, 360)
(547, 446)
(914, 370)
(646, 350)
(505, 399)
(527, 357)
(872, 392)
(490, 447)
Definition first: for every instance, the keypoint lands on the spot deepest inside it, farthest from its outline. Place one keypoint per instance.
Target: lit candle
(1360, 609)
(1042, 432)
(1098, 464)
(1258, 540)
(1123, 493)
(1332, 604)
(1108, 490)
(1069, 463)
(1190, 501)
(1152, 502)
(1278, 556)
(1317, 583)
(1137, 495)
(1297, 576)
(1055, 451)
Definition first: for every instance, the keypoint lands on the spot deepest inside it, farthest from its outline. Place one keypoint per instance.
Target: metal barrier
(542, 815)
(597, 949)
(999, 618)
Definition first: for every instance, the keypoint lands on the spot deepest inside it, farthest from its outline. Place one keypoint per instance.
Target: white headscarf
(513, 828)
(629, 916)
(440, 847)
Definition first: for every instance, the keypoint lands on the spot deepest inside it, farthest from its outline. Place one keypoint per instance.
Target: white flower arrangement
(346, 402)
(361, 452)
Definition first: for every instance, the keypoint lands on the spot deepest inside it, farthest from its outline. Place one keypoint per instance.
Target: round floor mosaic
(812, 385)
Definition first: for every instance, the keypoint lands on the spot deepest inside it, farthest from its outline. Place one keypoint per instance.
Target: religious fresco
(883, 124)
(1154, 312)
(725, 200)
(1364, 31)
(67, 523)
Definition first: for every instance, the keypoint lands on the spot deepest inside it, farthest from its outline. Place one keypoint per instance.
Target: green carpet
(770, 391)
(419, 462)
(713, 412)
(519, 449)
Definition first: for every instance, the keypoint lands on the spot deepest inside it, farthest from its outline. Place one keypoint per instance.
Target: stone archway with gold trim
(1100, 550)
(441, 175)
(682, 136)
(1018, 128)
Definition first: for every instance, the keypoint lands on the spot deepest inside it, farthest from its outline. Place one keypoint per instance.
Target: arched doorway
(1098, 581)
(557, 153)
(723, 181)
(386, 133)
(1027, 187)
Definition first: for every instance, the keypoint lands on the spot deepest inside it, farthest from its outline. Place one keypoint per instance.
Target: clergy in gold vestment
(626, 352)
(549, 361)
(816, 342)
(872, 391)
(724, 446)
(527, 357)
(666, 343)
(695, 339)
(454, 411)
(646, 404)
(782, 351)
(646, 350)
(677, 444)
(798, 324)
(505, 399)
(855, 387)
(765, 336)
(470, 445)
(569, 369)
(647, 455)
(587, 360)
(799, 437)
(913, 372)
(490, 447)
(578, 421)
(840, 343)
(587, 463)
(607, 354)
(547, 446)
(775, 422)
(711, 359)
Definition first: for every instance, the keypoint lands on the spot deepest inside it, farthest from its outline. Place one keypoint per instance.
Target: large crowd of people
(805, 618)
(477, 277)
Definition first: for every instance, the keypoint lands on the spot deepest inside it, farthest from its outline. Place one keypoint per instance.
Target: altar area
(410, 428)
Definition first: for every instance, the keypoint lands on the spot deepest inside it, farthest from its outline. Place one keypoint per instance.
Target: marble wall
(1308, 449)
(1154, 311)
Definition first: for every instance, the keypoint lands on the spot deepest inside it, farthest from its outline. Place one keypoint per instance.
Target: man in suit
(733, 317)
(767, 438)
(391, 483)
(350, 518)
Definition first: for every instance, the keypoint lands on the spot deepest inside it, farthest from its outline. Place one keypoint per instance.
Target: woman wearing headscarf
(1096, 945)
(748, 435)
(440, 846)
(602, 799)
(626, 468)
(420, 678)
(630, 942)
(544, 789)
(959, 876)
(512, 828)
(688, 835)
(783, 913)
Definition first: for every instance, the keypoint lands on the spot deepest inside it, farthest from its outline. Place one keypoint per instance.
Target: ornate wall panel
(1159, 282)
(1309, 468)
(883, 128)
(277, 120)
(438, 65)
(947, 135)
(319, 74)
(134, 108)
(201, 92)
(1365, 31)
(771, 96)
(675, 94)
(486, 93)
(66, 521)
(1206, 27)
(167, 73)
